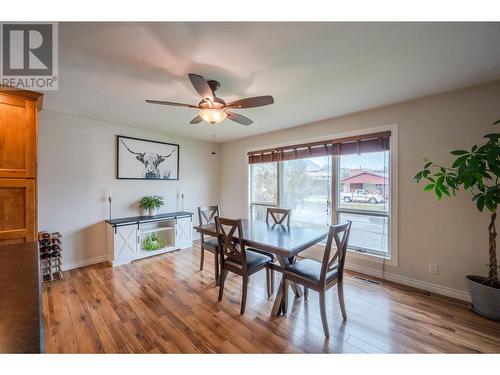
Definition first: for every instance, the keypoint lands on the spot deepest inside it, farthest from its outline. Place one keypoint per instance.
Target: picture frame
(145, 159)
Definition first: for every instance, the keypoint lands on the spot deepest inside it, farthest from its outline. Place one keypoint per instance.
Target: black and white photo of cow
(151, 162)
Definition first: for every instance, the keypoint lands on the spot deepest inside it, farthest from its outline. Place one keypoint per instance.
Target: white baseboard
(83, 263)
(423, 285)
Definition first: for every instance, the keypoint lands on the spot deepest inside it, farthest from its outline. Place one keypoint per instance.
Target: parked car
(362, 196)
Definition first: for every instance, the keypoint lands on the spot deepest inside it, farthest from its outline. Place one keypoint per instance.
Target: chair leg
(269, 282)
(244, 295)
(284, 295)
(340, 290)
(272, 281)
(322, 308)
(202, 258)
(216, 262)
(221, 283)
(306, 293)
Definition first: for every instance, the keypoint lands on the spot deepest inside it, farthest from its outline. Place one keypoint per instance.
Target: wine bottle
(45, 249)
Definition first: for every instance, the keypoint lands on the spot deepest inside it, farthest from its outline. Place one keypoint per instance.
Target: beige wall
(77, 163)
(451, 233)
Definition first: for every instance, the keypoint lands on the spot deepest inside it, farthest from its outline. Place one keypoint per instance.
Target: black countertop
(144, 219)
(21, 328)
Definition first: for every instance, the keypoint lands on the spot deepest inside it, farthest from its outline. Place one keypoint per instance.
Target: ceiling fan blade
(170, 103)
(201, 86)
(239, 118)
(256, 101)
(196, 120)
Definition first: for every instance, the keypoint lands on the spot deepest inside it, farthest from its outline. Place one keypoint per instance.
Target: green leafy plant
(152, 242)
(477, 171)
(151, 202)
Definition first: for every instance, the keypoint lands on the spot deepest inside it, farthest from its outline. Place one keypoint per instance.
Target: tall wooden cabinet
(18, 165)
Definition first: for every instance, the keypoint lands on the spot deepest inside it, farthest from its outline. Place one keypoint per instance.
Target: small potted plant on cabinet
(476, 171)
(151, 204)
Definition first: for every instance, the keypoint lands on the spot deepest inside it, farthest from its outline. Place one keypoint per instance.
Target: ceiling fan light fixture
(212, 115)
(213, 109)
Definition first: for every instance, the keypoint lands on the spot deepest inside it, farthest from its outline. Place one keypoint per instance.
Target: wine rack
(50, 245)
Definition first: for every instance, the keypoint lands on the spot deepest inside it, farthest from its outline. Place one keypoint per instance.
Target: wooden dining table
(284, 241)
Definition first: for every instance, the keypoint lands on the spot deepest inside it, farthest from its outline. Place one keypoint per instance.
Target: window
(263, 189)
(305, 188)
(363, 198)
(354, 173)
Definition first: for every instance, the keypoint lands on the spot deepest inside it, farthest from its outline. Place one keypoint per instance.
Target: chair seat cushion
(264, 253)
(211, 244)
(254, 259)
(311, 270)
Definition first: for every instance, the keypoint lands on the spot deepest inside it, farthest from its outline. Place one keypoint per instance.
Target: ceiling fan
(213, 109)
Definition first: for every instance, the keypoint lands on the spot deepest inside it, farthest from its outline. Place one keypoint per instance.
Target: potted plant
(476, 171)
(151, 203)
(152, 242)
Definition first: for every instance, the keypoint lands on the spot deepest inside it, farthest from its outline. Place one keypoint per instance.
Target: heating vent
(367, 281)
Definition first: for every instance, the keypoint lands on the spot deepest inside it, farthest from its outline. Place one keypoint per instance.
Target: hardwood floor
(164, 304)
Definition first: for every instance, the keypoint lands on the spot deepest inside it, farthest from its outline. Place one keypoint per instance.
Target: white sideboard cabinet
(127, 237)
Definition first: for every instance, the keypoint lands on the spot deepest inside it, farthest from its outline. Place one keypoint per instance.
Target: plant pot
(485, 299)
(149, 212)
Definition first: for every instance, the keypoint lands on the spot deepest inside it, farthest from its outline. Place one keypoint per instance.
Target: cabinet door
(17, 211)
(18, 137)
(184, 232)
(126, 242)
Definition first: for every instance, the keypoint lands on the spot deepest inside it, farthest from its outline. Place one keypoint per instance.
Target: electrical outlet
(433, 268)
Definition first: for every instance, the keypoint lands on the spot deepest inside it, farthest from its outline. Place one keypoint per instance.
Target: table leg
(278, 301)
(278, 306)
(296, 289)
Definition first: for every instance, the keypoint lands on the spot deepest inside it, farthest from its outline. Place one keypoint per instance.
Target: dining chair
(207, 215)
(236, 258)
(279, 215)
(321, 276)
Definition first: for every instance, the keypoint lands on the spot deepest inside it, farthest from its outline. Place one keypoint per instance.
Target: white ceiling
(313, 70)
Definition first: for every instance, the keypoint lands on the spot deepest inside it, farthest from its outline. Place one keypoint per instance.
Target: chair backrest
(340, 234)
(230, 236)
(207, 214)
(279, 215)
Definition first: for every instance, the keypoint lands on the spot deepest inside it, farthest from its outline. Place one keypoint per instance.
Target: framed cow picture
(142, 159)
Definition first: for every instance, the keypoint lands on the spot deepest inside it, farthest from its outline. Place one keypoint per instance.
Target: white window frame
(392, 258)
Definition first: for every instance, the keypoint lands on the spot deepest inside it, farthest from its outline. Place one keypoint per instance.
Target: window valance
(343, 146)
